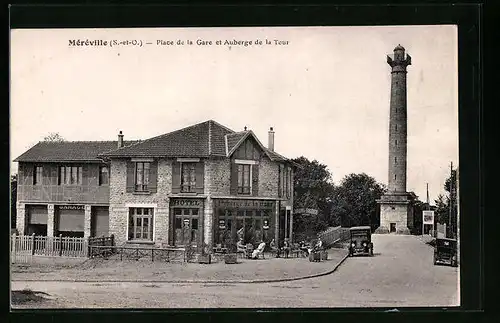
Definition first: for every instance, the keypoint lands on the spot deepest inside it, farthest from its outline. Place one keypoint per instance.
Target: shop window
(142, 176)
(188, 177)
(103, 175)
(244, 179)
(140, 224)
(37, 177)
(70, 175)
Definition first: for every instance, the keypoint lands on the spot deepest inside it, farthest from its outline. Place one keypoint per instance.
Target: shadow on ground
(19, 297)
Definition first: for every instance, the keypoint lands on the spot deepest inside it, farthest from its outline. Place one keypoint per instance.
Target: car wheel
(435, 262)
(371, 251)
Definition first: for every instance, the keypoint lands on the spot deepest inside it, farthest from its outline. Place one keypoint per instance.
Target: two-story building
(202, 183)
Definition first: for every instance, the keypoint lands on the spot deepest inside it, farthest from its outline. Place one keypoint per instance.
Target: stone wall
(394, 213)
(268, 178)
(217, 177)
(119, 198)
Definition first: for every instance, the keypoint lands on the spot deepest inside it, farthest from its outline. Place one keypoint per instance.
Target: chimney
(120, 139)
(270, 144)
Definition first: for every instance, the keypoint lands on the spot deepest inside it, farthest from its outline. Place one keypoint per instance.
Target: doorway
(186, 227)
(393, 227)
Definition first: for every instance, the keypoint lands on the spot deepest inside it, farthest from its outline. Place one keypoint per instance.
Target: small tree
(53, 137)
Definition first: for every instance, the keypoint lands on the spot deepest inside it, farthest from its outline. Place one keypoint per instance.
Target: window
(394, 176)
(396, 142)
(395, 160)
(141, 176)
(140, 227)
(396, 127)
(103, 175)
(188, 177)
(37, 178)
(70, 175)
(244, 179)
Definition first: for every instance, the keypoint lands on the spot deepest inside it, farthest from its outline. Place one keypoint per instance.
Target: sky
(324, 90)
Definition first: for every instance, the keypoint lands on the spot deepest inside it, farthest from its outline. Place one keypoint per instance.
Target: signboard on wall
(428, 217)
(186, 202)
(71, 207)
(244, 204)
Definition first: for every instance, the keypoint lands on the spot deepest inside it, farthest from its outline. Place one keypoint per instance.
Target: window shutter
(234, 178)
(255, 180)
(176, 177)
(28, 174)
(200, 176)
(130, 177)
(153, 177)
(280, 186)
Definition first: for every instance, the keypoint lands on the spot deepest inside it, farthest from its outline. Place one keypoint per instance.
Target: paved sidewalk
(246, 271)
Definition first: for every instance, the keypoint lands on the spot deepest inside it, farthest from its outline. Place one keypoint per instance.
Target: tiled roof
(204, 139)
(199, 140)
(48, 151)
(234, 138)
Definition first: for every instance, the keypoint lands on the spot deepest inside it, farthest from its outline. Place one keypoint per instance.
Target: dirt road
(400, 274)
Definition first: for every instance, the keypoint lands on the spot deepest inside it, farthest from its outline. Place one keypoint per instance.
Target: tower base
(395, 209)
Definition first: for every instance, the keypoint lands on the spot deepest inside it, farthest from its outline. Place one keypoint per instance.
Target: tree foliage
(355, 200)
(313, 188)
(53, 137)
(443, 203)
(351, 203)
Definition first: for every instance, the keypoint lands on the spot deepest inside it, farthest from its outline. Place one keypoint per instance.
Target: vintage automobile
(445, 252)
(360, 242)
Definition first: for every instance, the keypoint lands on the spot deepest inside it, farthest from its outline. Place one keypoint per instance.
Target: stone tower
(395, 205)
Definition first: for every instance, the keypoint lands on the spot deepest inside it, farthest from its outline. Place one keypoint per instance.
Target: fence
(24, 248)
(136, 253)
(333, 235)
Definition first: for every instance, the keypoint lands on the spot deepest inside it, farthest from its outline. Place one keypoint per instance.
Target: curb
(191, 281)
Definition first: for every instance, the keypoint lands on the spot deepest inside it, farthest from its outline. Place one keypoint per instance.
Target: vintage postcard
(235, 167)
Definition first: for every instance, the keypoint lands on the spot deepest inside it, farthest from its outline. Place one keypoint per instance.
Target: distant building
(200, 184)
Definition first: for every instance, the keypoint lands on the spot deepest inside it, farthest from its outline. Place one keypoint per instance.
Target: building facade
(204, 184)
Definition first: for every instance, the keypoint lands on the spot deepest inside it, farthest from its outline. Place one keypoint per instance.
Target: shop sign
(245, 204)
(71, 207)
(185, 202)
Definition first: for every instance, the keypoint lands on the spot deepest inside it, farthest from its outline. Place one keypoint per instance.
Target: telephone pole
(450, 206)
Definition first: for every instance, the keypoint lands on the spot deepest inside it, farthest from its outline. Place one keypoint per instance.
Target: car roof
(366, 227)
(446, 239)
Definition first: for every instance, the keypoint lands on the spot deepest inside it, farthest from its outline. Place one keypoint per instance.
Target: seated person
(241, 247)
(259, 250)
(319, 245)
(286, 247)
(303, 247)
(274, 248)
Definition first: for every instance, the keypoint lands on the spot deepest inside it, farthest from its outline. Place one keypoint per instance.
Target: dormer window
(244, 179)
